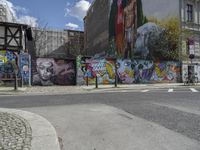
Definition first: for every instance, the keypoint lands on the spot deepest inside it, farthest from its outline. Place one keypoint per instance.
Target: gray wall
(96, 27)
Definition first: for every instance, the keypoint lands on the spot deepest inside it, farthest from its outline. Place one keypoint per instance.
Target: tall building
(146, 29)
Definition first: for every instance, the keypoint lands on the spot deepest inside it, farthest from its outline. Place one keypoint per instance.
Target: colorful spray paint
(145, 71)
(7, 59)
(89, 68)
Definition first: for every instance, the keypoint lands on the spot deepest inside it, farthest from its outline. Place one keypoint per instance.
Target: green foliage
(168, 46)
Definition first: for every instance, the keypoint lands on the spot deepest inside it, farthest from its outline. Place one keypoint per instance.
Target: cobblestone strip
(15, 132)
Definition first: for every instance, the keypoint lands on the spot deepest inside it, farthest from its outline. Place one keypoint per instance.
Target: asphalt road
(178, 111)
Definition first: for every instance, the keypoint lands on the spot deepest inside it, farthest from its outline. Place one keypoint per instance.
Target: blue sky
(59, 14)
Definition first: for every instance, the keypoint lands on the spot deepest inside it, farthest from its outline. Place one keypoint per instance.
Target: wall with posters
(25, 68)
(50, 71)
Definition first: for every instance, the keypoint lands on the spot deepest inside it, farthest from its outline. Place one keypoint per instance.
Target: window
(189, 12)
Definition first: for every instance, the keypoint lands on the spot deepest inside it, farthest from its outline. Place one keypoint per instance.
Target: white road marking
(193, 90)
(143, 91)
(171, 90)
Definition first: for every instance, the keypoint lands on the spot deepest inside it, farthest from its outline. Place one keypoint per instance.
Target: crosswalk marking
(144, 91)
(193, 90)
(170, 90)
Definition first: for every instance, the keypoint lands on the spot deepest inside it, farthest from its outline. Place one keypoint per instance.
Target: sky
(56, 14)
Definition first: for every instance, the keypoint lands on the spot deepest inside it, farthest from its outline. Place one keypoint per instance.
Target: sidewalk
(54, 90)
(24, 130)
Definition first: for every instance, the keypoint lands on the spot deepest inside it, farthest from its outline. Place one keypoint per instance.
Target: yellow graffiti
(159, 72)
(109, 68)
(129, 72)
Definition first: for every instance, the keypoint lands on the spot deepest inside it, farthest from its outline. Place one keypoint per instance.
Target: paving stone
(15, 132)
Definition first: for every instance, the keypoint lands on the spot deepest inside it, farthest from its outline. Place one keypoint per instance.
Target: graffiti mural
(7, 59)
(136, 32)
(145, 71)
(125, 71)
(89, 68)
(25, 68)
(167, 71)
(123, 26)
(50, 71)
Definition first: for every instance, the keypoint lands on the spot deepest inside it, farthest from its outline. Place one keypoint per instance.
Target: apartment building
(190, 38)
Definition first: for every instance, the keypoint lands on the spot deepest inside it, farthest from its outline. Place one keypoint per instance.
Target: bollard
(115, 80)
(87, 81)
(96, 82)
(16, 82)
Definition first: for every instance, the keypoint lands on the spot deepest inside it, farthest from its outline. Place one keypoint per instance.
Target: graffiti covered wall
(50, 71)
(7, 59)
(128, 71)
(90, 68)
(145, 71)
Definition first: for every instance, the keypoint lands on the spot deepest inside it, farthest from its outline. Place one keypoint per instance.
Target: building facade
(56, 43)
(190, 38)
(157, 30)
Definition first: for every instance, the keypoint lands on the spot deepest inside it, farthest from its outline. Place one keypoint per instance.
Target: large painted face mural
(137, 32)
(50, 71)
(125, 71)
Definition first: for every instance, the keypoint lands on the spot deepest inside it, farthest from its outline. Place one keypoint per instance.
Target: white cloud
(21, 9)
(14, 11)
(32, 21)
(72, 26)
(11, 13)
(78, 10)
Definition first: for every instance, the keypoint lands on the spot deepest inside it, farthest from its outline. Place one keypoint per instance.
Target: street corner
(32, 131)
(107, 127)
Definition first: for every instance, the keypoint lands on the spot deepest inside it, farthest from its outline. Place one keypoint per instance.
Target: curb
(63, 90)
(44, 136)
